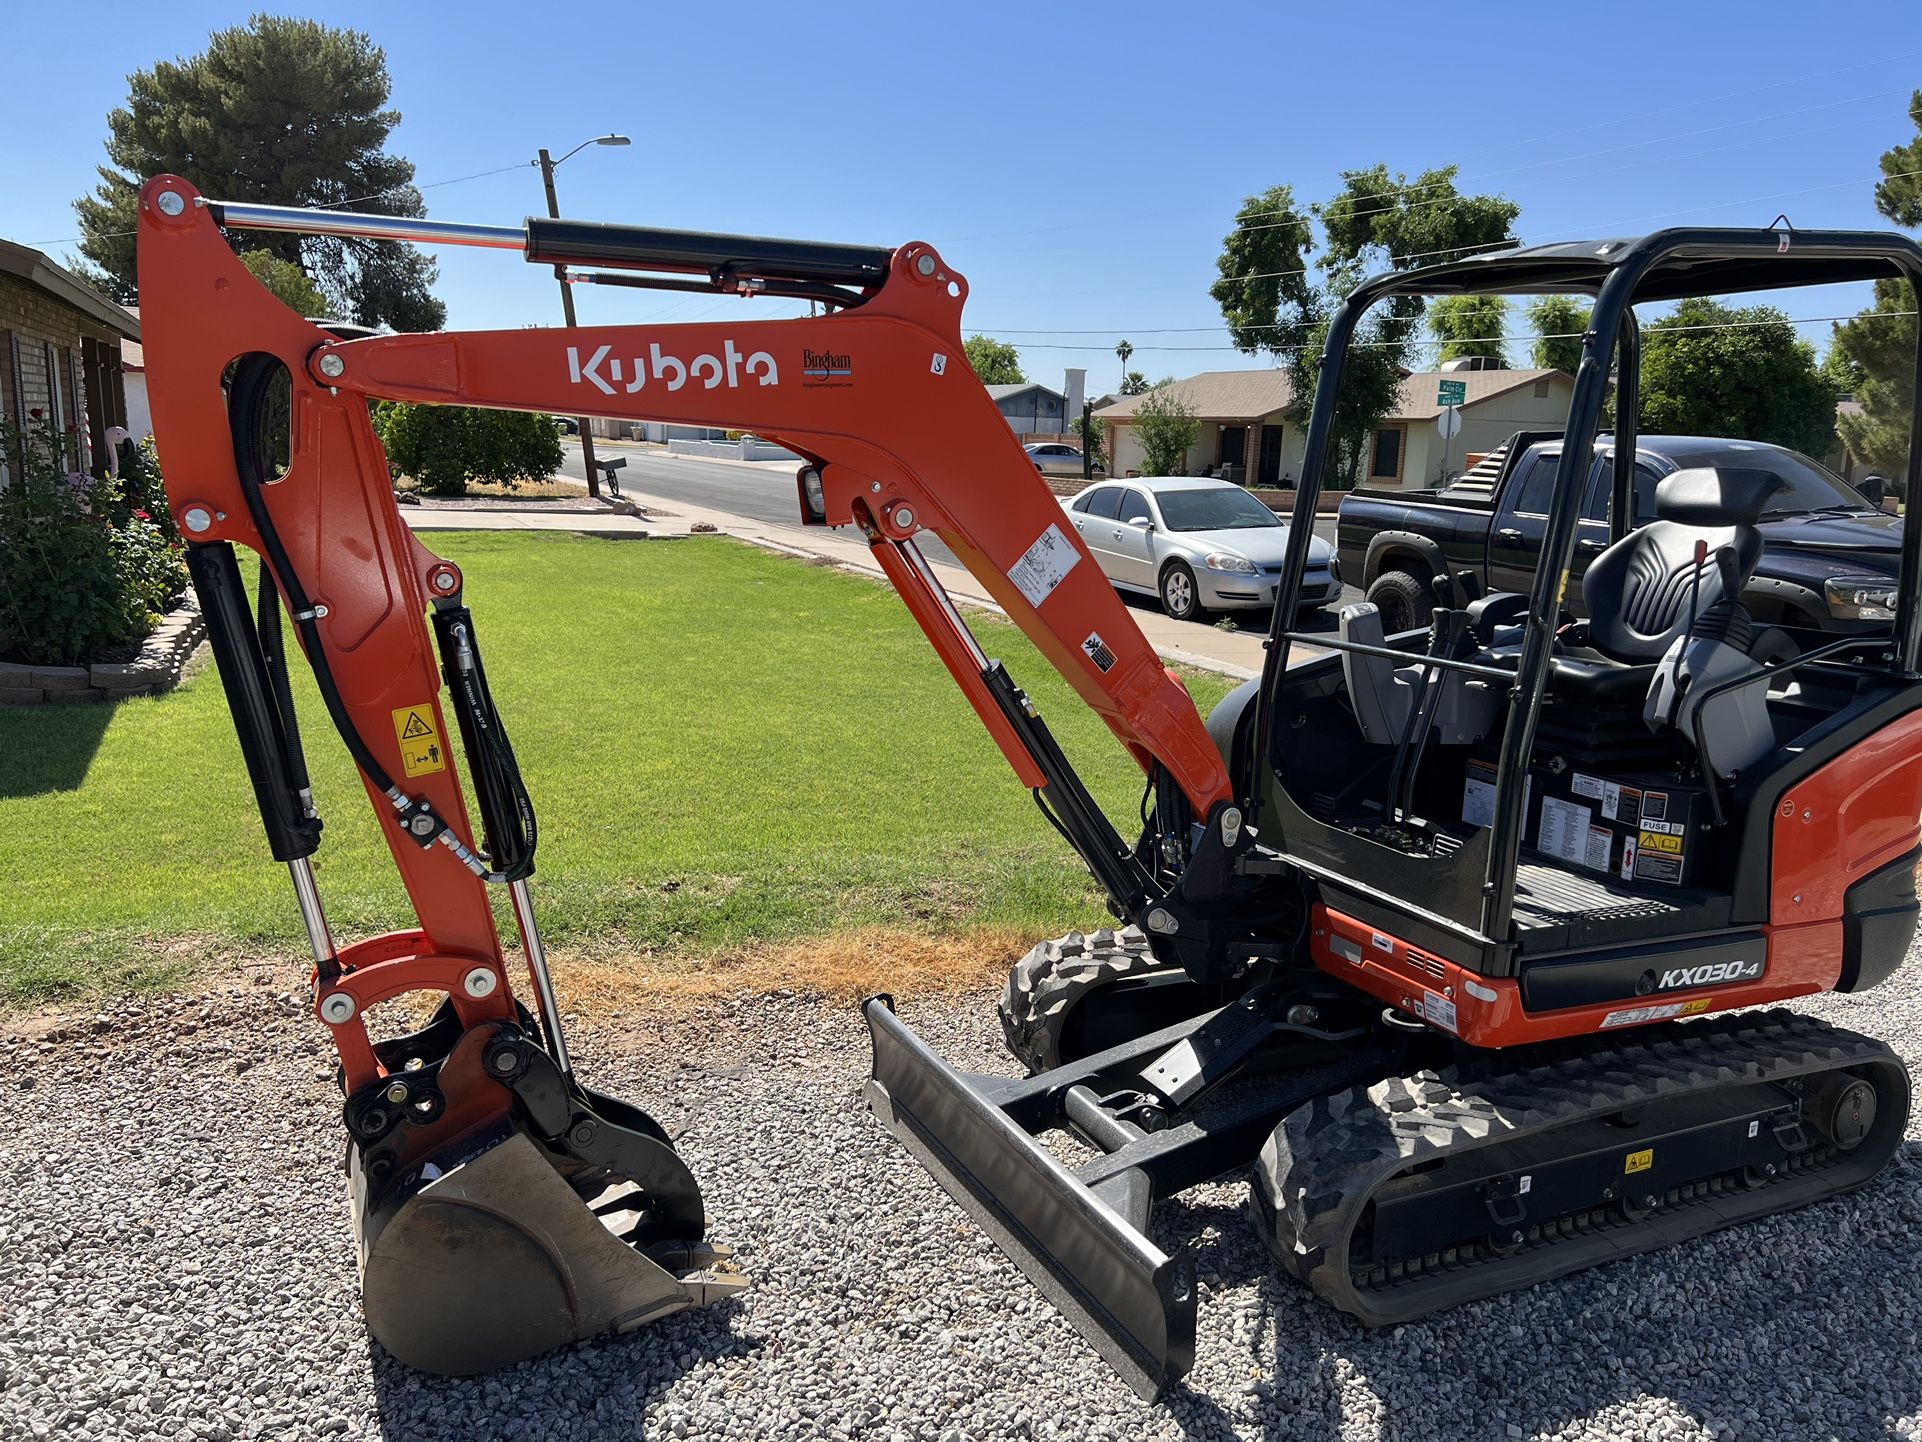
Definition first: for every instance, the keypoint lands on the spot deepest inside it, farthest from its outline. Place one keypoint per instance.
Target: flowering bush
(82, 571)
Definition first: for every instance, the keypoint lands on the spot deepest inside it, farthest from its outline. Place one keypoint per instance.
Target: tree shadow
(607, 1385)
(49, 748)
(1783, 1328)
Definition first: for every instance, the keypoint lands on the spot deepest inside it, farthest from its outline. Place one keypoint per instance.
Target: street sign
(1453, 393)
(1449, 423)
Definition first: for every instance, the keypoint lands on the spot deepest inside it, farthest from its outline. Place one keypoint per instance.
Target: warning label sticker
(419, 737)
(1637, 1015)
(1440, 1011)
(1043, 565)
(1639, 1161)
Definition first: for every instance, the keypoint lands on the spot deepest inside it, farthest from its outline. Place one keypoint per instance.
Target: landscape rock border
(163, 658)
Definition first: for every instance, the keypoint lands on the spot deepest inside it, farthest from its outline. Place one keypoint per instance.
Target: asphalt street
(768, 496)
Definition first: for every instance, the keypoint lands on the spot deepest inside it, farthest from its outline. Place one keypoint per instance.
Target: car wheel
(1180, 596)
(1404, 601)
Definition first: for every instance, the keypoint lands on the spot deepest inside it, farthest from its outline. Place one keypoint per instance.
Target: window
(1227, 508)
(56, 398)
(1535, 488)
(1104, 501)
(1134, 507)
(1601, 491)
(1387, 462)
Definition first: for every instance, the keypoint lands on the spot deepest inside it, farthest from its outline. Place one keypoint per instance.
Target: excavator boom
(502, 1207)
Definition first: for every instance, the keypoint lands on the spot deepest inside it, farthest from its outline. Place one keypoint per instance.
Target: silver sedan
(1197, 544)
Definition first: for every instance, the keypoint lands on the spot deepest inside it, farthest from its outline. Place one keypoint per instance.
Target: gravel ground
(175, 1262)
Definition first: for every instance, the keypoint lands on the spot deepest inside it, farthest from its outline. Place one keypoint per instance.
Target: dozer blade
(499, 1259)
(1131, 1300)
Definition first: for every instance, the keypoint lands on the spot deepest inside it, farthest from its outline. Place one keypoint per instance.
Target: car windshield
(1226, 509)
(1808, 486)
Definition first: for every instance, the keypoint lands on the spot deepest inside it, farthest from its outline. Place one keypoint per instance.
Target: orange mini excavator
(1468, 916)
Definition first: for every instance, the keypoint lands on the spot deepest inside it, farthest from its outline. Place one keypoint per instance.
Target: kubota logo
(1709, 975)
(604, 373)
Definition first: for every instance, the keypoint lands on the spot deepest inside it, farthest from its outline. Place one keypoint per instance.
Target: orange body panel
(880, 397)
(1857, 813)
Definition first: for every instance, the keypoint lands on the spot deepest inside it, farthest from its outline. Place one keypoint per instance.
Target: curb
(163, 657)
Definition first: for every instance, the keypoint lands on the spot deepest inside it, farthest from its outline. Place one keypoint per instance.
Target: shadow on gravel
(1795, 1327)
(606, 1386)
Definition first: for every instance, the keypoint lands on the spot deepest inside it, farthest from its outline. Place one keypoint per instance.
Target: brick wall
(30, 321)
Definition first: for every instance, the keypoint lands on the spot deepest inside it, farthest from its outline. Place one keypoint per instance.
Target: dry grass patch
(843, 968)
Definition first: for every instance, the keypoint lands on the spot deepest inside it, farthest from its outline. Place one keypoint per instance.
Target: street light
(548, 165)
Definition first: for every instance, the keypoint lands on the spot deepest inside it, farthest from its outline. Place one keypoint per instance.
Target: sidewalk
(1230, 653)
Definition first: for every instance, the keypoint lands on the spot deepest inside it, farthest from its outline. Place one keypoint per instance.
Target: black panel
(1878, 923)
(1625, 974)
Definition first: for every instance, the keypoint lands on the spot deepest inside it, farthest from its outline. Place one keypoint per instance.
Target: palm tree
(1124, 350)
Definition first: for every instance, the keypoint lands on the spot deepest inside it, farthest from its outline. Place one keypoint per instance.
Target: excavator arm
(471, 1135)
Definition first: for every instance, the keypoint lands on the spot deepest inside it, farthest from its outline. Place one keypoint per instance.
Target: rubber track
(1055, 977)
(1320, 1166)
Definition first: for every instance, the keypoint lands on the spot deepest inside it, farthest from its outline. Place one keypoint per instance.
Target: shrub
(81, 572)
(445, 447)
(1165, 427)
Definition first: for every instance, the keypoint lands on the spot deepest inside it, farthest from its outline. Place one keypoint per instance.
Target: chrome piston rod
(537, 968)
(372, 227)
(319, 937)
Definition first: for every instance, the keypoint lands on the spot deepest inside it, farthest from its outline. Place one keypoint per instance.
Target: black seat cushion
(1641, 590)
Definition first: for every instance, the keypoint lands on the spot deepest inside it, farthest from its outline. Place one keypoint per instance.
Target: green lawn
(723, 746)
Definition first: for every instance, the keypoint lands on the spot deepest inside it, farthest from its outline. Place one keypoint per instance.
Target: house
(1031, 409)
(1037, 412)
(1247, 437)
(133, 379)
(60, 353)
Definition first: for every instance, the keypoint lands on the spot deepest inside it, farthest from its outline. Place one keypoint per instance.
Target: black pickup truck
(1829, 561)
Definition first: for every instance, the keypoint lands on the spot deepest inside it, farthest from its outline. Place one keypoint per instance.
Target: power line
(1483, 339)
(1395, 197)
(331, 205)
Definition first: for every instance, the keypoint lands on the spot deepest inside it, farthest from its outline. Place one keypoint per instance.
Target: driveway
(762, 492)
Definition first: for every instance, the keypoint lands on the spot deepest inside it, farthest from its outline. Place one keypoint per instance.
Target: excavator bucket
(562, 1215)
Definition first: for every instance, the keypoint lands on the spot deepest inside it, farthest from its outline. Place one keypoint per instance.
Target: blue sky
(1080, 164)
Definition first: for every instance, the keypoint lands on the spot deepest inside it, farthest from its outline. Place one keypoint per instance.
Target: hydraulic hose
(247, 396)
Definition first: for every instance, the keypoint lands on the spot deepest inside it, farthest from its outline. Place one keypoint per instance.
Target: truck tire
(1403, 600)
(1180, 596)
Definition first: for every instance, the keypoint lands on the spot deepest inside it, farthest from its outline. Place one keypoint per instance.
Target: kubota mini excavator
(1437, 904)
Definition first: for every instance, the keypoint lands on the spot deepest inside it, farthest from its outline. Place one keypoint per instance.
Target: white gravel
(175, 1262)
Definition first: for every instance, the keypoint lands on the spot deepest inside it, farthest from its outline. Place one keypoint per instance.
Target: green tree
(1278, 295)
(445, 447)
(1165, 427)
(996, 362)
(279, 111)
(1878, 346)
(1470, 326)
(287, 283)
(1560, 321)
(1749, 378)
(1134, 383)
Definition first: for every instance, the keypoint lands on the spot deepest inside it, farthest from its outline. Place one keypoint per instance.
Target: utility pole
(1087, 440)
(567, 309)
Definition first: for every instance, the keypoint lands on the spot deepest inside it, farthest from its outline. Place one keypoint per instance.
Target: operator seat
(1641, 591)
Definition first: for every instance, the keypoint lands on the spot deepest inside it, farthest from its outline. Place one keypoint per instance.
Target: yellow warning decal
(1693, 1007)
(1639, 1161)
(419, 737)
(1661, 841)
